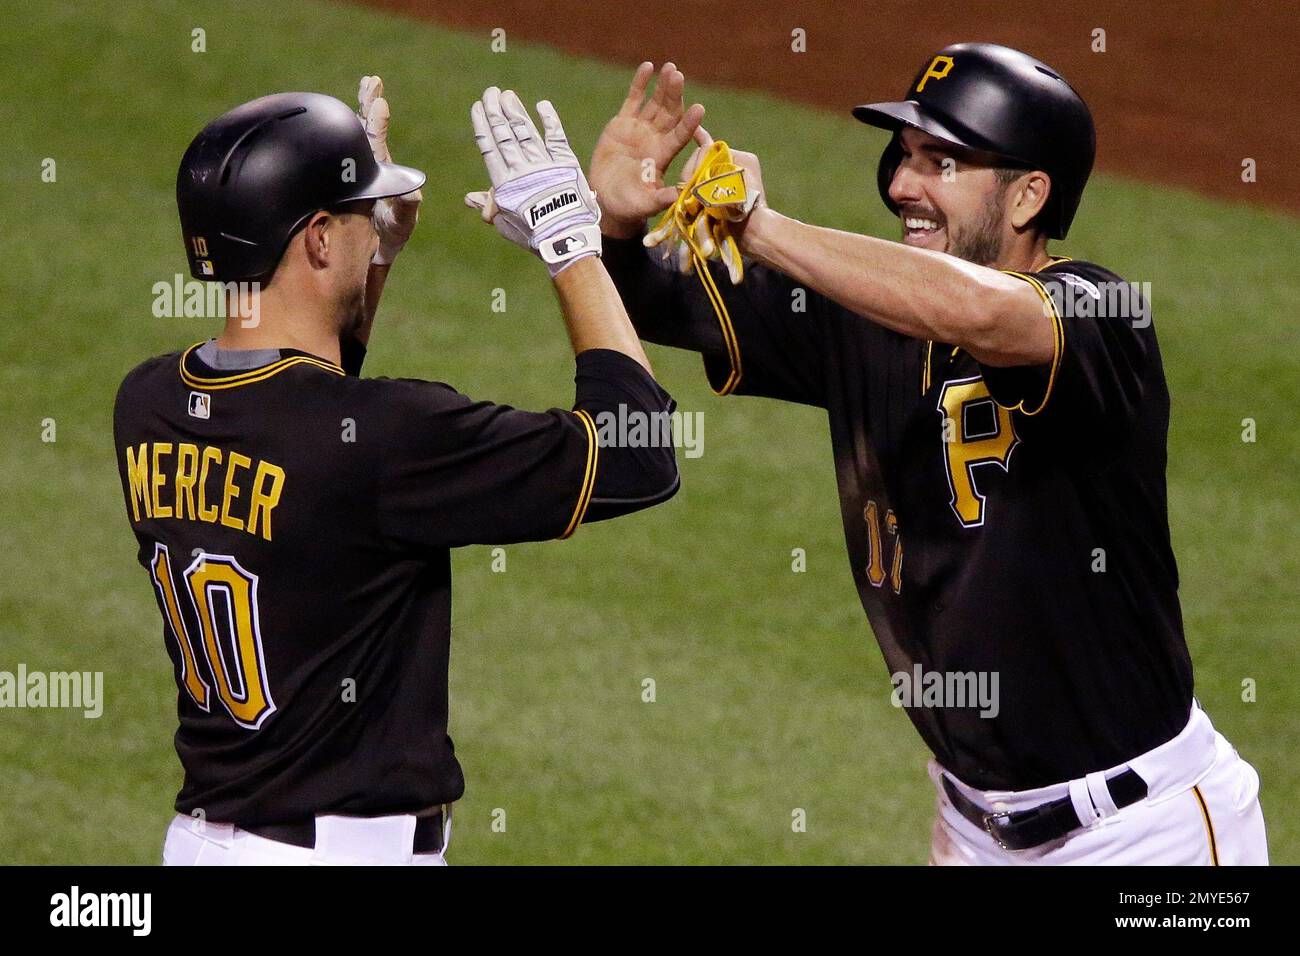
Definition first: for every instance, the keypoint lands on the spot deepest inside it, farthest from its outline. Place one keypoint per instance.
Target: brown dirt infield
(1184, 92)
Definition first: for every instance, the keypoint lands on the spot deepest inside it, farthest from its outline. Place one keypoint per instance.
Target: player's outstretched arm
(646, 129)
(478, 473)
(394, 218)
(650, 127)
(998, 319)
(640, 141)
(540, 200)
(594, 313)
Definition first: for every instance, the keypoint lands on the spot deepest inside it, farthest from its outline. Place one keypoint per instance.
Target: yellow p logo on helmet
(933, 71)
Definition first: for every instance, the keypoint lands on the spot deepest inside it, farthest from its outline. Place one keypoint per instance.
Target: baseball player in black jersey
(998, 417)
(295, 519)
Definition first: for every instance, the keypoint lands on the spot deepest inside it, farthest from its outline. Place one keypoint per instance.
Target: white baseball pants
(340, 841)
(1201, 809)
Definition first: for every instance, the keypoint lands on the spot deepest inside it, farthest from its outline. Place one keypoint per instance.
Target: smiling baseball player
(296, 520)
(998, 417)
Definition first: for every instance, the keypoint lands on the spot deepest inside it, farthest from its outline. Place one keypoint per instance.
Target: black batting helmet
(252, 177)
(1001, 101)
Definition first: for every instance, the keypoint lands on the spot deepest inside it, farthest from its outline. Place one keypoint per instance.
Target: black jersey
(1003, 525)
(296, 523)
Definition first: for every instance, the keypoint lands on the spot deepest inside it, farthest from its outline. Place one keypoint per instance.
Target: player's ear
(1029, 196)
(316, 238)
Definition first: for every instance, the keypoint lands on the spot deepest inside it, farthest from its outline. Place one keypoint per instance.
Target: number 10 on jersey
(224, 598)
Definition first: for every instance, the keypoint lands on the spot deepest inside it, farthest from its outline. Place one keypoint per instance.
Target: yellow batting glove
(698, 225)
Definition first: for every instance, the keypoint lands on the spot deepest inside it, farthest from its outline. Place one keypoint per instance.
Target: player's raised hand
(394, 218)
(539, 197)
(637, 146)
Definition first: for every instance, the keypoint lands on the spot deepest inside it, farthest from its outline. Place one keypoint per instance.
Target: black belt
(1022, 829)
(428, 833)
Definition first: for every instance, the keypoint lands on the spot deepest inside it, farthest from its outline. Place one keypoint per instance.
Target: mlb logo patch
(205, 266)
(567, 244)
(200, 405)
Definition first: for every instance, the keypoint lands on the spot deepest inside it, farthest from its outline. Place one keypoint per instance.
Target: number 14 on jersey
(876, 551)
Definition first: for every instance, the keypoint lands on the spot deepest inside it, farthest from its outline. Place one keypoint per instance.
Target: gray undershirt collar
(232, 360)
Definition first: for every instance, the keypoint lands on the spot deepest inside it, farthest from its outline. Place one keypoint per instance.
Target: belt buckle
(990, 819)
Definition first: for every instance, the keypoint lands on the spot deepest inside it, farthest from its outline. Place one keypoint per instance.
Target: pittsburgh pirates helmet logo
(939, 67)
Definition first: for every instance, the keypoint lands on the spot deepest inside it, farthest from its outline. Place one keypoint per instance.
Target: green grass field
(771, 693)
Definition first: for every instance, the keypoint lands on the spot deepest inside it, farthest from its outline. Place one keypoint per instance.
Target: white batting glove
(395, 217)
(539, 198)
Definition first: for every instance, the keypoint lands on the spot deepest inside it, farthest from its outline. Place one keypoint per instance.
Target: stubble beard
(981, 241)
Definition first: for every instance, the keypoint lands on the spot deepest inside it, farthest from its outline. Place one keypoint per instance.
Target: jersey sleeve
(1104, 347)
(453, 471)
(769, 343)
